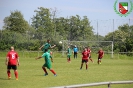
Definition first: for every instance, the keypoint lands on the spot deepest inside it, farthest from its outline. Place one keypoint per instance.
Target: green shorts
(68, 56)
(47, 65)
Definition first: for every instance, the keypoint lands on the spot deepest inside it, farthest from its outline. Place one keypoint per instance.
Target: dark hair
(48, 40)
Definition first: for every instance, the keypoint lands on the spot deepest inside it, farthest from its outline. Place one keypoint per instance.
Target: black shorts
(75, 52)
(86, 60)
(14, 67)
(99, 58)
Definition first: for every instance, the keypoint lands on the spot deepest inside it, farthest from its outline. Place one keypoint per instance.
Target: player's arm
(41, 47)
(103, 53)
(18, 61)
(38, 57)
(51, 59)
(7, 60)
(53, 46)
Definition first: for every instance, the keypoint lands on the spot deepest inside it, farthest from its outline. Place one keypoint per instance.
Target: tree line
(46, 25)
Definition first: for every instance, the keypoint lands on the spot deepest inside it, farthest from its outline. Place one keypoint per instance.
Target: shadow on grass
(3, 79)
(38, 75)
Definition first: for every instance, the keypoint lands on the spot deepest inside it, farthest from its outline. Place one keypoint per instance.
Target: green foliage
(15, 22)
(122, 38)
(46, 25)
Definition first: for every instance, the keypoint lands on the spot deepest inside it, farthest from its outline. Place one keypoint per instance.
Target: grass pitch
(31, 74)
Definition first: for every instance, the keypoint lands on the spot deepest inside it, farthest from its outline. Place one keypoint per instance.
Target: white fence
(95, 84)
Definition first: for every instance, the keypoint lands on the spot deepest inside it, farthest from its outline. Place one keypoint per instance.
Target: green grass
(31, 74)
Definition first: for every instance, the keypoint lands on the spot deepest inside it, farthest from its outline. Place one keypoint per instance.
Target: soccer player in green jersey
(46, 46)
(69, 54)
(47, 63)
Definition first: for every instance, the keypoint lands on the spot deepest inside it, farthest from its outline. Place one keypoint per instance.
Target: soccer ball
(60, 42)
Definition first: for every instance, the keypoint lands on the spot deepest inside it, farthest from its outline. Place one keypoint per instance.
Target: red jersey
(89, 50)
(12, 56)
(85, 55)
(100, 53)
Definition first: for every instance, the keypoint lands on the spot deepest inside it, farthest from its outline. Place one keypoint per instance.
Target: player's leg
(14, 67)
(82, 64)
(86, 64)
(76, 55)
(44, 69)
(99, 60)
(91, 59)
(68, 58)
(8, 71)
(53, 72)
(49, 66)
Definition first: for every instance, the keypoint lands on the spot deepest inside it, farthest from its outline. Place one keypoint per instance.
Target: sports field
(31, 74)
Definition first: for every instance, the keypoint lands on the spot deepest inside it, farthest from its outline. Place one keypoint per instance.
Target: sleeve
(49, 45)
(43, 55)
(17, 55)
(7, 56)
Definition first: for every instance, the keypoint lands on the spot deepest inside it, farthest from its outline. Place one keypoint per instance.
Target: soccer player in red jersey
(89, 51)
(85, 55)
(100, 55)
(12, 60)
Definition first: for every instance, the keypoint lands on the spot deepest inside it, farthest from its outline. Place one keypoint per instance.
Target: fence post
(109, 85)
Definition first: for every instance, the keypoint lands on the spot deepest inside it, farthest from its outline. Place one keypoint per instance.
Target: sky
(100, 13)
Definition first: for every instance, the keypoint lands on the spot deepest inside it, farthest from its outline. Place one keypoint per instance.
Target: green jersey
(69, 51)
(46, 47)
(46, 57)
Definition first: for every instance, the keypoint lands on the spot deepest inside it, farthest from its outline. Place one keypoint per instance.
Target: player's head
(48, 41)
(75, 46)
(12, 48)
(85, 49)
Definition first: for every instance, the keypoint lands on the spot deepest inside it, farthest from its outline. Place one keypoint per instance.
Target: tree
(42, 22)
(15, 22)
(122, 38)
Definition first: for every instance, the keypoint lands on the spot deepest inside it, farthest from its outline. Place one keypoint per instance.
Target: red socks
(50, 70)
(9, 73)
(86, 66)
(16, 74)
(69, 60)
(53, 71)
